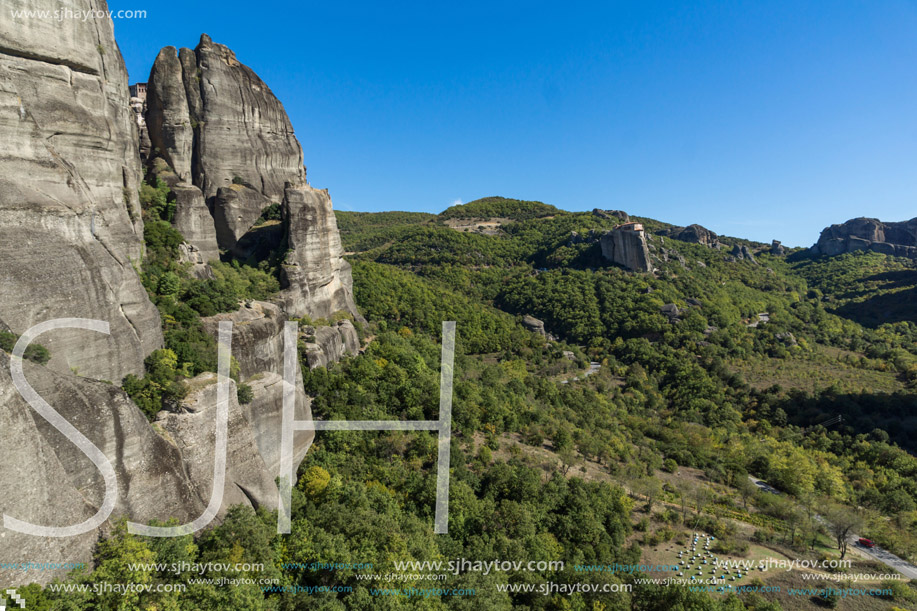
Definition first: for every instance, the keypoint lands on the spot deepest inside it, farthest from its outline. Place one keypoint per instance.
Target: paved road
(876, 553)
(885, 557)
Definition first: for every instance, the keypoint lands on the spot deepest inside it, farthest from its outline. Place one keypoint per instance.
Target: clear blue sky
(761, 119)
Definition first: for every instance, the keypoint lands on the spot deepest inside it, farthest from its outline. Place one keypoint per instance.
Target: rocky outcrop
(214, 120)
(315, 277)
(533, 324)
(626, 246)
(168, 119)
(244, 157)
(618, 215)
(898, 239)
(236, 208)
(743, 252)
(257, 345)
(695, 234)
(192, 429)
(192, 219)
(257, 336)
(70, 224)
(326, 345)
(777, 248)
(138, 107)
(49, 481)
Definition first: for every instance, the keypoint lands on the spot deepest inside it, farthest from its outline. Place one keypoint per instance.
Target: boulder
(695, 234)
(533, 324)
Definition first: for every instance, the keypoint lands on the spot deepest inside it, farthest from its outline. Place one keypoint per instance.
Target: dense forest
(637, 418)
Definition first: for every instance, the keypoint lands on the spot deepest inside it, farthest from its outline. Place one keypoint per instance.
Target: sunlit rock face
(222, 129)
(898, 239)
(626, 246)
(70, 227)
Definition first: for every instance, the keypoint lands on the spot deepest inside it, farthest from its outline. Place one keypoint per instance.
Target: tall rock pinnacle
(221, 129)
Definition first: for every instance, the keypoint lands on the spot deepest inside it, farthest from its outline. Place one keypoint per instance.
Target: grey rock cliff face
(243, 157)
(168, 118)
(236, 208)
(898, 239)
(326, 345)
(70, 223)
(257, 344)
(316, 278)
(194, 429)
(193, 221)
(51, 482)
(626, 246)
(217, 120)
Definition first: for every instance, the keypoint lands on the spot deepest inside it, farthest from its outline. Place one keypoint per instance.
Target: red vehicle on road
(866, 542)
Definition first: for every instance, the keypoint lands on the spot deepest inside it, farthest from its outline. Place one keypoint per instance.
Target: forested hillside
(634, 420)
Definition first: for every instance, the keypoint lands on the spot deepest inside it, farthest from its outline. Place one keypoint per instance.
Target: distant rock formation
(743, 252)
(626, 246)
(70, 223)
(898, 239)
(533, 324)
(611, 214)
(696, 234)
(777, 248)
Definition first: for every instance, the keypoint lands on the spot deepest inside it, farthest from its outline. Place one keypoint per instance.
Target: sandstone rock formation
(193, 221)
(898, 239)
(49, 481)
(316, 278)
(248, 480)
(533, 324)
(326, 345)
(611, 214)
(68, 191)
(222, 129)
(743, 252)
(696, 234)
(70, 235)
(626, 246)
(168, 119)
(257, 345)
(235, 210)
